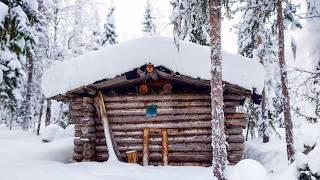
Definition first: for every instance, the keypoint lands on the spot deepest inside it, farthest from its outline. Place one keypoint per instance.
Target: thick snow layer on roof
(192, 60)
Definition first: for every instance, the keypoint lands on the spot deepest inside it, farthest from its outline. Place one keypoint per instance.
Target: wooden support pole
(132, 157)
(146, 150)
(164, 134)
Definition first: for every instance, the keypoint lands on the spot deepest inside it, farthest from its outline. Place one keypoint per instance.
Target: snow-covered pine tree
(31, 8)
(191, 21)
(255, 41)
(17, 41)
(110, 36)
(148, 26)
(219, 152)
(284, 83)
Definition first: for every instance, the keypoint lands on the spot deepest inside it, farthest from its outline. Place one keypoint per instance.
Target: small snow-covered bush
(249, 169)
(308, 150)
(49, 133)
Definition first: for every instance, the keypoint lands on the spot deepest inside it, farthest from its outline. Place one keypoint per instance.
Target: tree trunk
(27, 103)
(219, 152)
(48, 113)
(284, 82)
(40, 115)
(264, 125)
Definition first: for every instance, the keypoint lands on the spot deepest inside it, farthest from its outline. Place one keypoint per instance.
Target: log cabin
(152, 101)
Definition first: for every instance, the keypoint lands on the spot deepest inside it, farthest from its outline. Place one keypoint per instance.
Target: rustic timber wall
(186, 116)
(89, 142)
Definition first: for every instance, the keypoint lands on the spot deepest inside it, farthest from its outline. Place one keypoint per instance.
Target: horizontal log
(83, 107)
(101, 157)
(87, 146)
(77, 157)
(75, 113)
(155, 98)
(100, 141)
(143, 118)
(229, 109)
(99, 127)
(88, 153)
(194, 124)
(196, 147)
(231, 103)
(101, 148)
(77, 134)
(78, 149)
(235, 139)
(88, 129)
(178, 157)
(100, 134)
(171, 132)
(233, 131)
(234, 157)
(87, 121)
(202, 164)
(236, 116)
(160, 104)
(235, 147)
(236, 123)
(160, 111)
(233, 97)
(78, 142)
(190, 139)
(89, 137)
(87, 100)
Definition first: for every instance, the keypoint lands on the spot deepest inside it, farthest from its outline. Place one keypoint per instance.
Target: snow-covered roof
(191, 60)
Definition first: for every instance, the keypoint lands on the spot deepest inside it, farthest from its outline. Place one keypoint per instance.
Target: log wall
(186, 116)
(89, 142)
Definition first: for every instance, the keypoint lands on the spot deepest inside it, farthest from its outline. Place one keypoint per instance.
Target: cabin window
(151, 110)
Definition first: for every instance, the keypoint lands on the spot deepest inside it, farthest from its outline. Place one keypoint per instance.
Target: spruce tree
(191, 21)
(149, 27)
(110, 36)
(17, 43)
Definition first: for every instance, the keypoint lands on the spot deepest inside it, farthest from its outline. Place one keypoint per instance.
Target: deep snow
(23, 156)
(192, 60)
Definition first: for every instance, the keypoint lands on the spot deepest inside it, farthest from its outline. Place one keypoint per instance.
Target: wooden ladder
(146, 142)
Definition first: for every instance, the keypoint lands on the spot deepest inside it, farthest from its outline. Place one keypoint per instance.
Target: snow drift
(192, 60)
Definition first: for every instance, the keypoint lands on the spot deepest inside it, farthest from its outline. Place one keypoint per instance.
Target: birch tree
(284, 83)
(219, 152)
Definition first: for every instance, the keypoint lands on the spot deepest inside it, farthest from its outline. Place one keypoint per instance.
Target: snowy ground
(23, 156)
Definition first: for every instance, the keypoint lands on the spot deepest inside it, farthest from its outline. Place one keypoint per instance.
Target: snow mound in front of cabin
(53, 131)
(248, 169)
(192, 60)
(49, 133)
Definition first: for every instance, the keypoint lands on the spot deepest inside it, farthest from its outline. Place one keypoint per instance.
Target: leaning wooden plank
(103, 115)
(164, 134)
(146, 151)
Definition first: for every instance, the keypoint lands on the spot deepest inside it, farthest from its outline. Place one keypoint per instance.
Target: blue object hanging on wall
(152, 110)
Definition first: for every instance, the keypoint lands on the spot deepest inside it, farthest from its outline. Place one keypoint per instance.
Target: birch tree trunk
(284, 82)
(219, 152)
